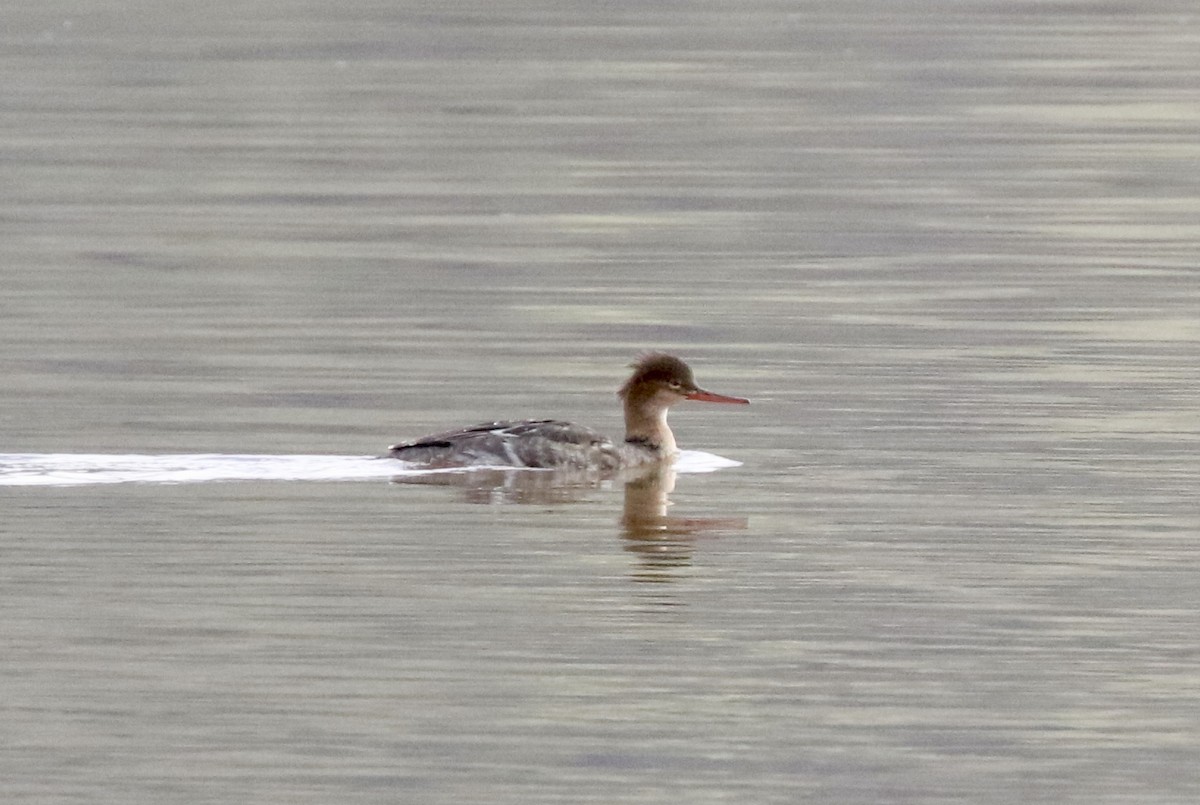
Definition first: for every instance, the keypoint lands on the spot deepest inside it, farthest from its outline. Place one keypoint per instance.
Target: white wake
(76, 469)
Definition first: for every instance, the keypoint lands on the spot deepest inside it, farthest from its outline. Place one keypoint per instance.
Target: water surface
(948, 252)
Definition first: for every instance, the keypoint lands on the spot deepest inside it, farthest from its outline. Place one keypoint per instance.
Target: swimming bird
(658, 382)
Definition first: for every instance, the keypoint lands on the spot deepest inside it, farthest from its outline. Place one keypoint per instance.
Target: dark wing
(452, 437)
(524, 443)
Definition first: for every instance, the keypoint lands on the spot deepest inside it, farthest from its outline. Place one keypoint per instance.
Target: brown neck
(648, 425)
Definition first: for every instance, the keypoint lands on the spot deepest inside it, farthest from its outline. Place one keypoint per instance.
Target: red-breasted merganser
(658, 382)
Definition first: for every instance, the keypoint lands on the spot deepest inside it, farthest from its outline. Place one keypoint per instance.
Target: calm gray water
(949, 250)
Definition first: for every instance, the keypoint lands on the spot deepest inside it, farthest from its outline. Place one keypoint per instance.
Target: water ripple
(76, 469)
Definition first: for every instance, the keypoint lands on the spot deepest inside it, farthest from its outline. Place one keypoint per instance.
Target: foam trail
(695, 461)
(78, 469)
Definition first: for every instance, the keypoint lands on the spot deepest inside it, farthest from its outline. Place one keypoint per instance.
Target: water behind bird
(75, 469)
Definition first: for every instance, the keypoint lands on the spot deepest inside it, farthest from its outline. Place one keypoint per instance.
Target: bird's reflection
(663, 542)
(526, 487)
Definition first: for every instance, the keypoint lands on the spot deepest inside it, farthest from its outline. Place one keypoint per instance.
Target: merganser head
(660, 381)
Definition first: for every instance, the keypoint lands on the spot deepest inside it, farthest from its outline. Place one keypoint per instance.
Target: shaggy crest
(658, 367)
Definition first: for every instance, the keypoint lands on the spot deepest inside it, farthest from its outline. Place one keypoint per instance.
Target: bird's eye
(675, 385)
